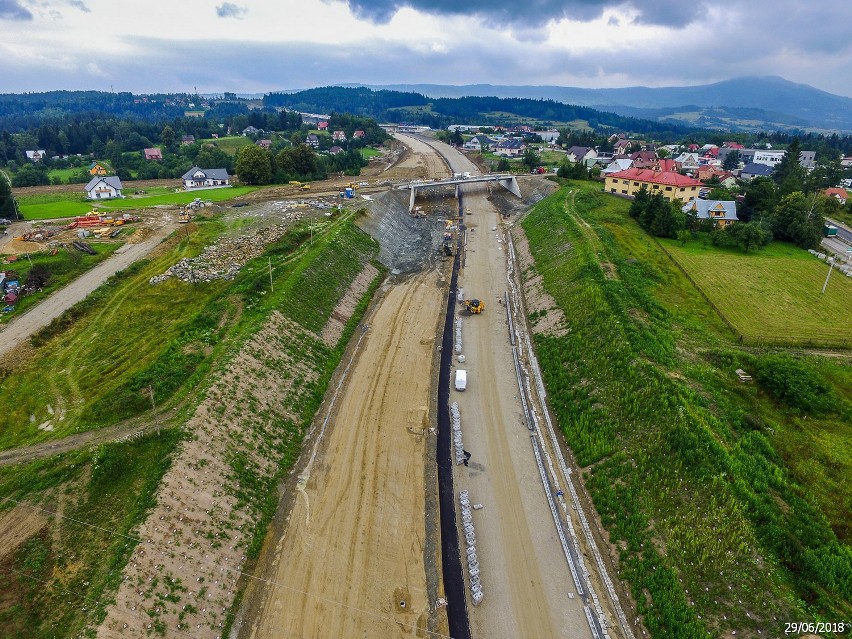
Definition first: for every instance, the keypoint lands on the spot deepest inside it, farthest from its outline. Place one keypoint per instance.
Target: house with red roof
(322, 126)
(153, 154)
(840, 194)
(673, 186)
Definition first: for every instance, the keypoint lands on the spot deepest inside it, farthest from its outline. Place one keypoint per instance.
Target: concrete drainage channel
(454, 584)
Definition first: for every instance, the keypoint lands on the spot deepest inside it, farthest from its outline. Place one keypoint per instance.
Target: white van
(461, 380)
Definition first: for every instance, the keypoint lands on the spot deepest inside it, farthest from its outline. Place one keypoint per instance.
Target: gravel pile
(224, 259)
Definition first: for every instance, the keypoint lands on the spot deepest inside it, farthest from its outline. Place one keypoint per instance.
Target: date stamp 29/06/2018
(816, 627)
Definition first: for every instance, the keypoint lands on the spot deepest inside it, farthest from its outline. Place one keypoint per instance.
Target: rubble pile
(224, 259)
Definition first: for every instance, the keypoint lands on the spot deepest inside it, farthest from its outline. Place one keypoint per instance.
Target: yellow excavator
(475, 307)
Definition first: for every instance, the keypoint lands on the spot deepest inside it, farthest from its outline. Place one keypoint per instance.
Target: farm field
(47, 206)
(722, 498)
(772, 296)
(230, 144)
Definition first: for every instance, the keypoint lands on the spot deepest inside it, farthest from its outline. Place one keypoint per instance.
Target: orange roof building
(673, 186)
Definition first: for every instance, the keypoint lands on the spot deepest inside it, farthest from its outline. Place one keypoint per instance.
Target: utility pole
(830, 266)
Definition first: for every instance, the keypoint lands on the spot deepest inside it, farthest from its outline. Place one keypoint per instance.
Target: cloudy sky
(250, 46)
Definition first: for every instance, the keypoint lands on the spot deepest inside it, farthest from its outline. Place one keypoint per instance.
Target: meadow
(771, 296)
(712, 492)
(48, 206)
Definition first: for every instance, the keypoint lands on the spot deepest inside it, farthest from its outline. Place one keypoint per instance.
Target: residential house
(96, 168)
(526, 130)
(666, 165)
(335, 150)
(673, 186)
(722, 212)
(338, 136)
(581, 153)
(187, 139)
(621, 146)
(846, 162)
(312, 140)
(644, 159)
(197, 178)
(708, 172)
(250, 130)
(322, 126)
(358, 134)
(693, 148)
(839, 194)
(753, 170)
(478, 142)
(153, 154)
(616, 166)
(687, 162)
(104, 188)
(35, 156)
(264, 144)
(511, 147)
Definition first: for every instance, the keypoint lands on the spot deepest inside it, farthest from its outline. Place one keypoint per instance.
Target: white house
(104, 187)
(197, 178)
(478, 141)
(35, 156)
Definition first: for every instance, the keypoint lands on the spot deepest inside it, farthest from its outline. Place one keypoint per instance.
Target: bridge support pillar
(511, 185)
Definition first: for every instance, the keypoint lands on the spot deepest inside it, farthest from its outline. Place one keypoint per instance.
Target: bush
(793, 382)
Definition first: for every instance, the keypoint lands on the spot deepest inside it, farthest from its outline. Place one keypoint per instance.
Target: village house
(197, 178)
(96, 168)
(187, 139)
(153, 154)
(264, 144)
(512, 148)
(104, 188)
(338, 136)
(753, 170)
(617, 165)
(839, 194)
(35, 156)
(312, 140)
(250, 130)
(580, 154)
(322, 126)
(708, 172)
(621, 146)
(687, 162)
(479, 142)
(722, 212)
(335, 150)
(673, 186)
(358, 134)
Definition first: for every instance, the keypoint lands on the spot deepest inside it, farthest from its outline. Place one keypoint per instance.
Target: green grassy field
(369, 152)
(729, 506)
(772, 295)
(63, 205)
(230, 144)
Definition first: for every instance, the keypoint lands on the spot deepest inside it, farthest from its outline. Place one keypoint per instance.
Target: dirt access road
(525, 577)
(36, 318)
(351, 563)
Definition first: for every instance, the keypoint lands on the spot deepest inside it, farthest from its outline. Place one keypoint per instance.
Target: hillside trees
(760, 199)
(8, 210)
(789, 175)
(799, 219)
(656, 214)
(254, 165)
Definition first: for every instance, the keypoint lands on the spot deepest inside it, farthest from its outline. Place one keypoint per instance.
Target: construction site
(417, 507)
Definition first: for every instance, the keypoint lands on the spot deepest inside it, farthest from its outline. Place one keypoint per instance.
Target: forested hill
(395, 106)
(17, 110)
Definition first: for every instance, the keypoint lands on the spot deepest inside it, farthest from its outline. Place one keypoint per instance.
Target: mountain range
(739, 104)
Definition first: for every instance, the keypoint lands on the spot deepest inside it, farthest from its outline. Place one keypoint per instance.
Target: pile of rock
(224, 259)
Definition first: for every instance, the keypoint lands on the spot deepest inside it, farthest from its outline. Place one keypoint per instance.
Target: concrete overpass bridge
(508, 182)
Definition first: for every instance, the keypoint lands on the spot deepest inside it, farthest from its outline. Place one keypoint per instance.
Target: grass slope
(686, 467)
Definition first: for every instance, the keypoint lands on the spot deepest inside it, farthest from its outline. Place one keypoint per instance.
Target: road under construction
(432, 512)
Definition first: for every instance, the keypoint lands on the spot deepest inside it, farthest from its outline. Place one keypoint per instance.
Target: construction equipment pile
(224, 259)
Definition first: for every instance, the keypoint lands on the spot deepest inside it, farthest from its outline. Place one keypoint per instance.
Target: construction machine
(183, 218)
(475, 307)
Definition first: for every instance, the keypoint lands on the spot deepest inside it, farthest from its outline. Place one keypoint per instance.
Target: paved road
(25, 325)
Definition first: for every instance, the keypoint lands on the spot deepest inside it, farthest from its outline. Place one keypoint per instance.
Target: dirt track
(25, 325)
(351, 563)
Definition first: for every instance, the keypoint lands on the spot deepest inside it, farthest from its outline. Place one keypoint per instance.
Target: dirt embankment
(351, 563)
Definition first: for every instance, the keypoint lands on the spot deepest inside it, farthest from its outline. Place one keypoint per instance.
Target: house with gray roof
(197, 178)
(104, 187)
(477, 142)
(753, 170)
(722, 212)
